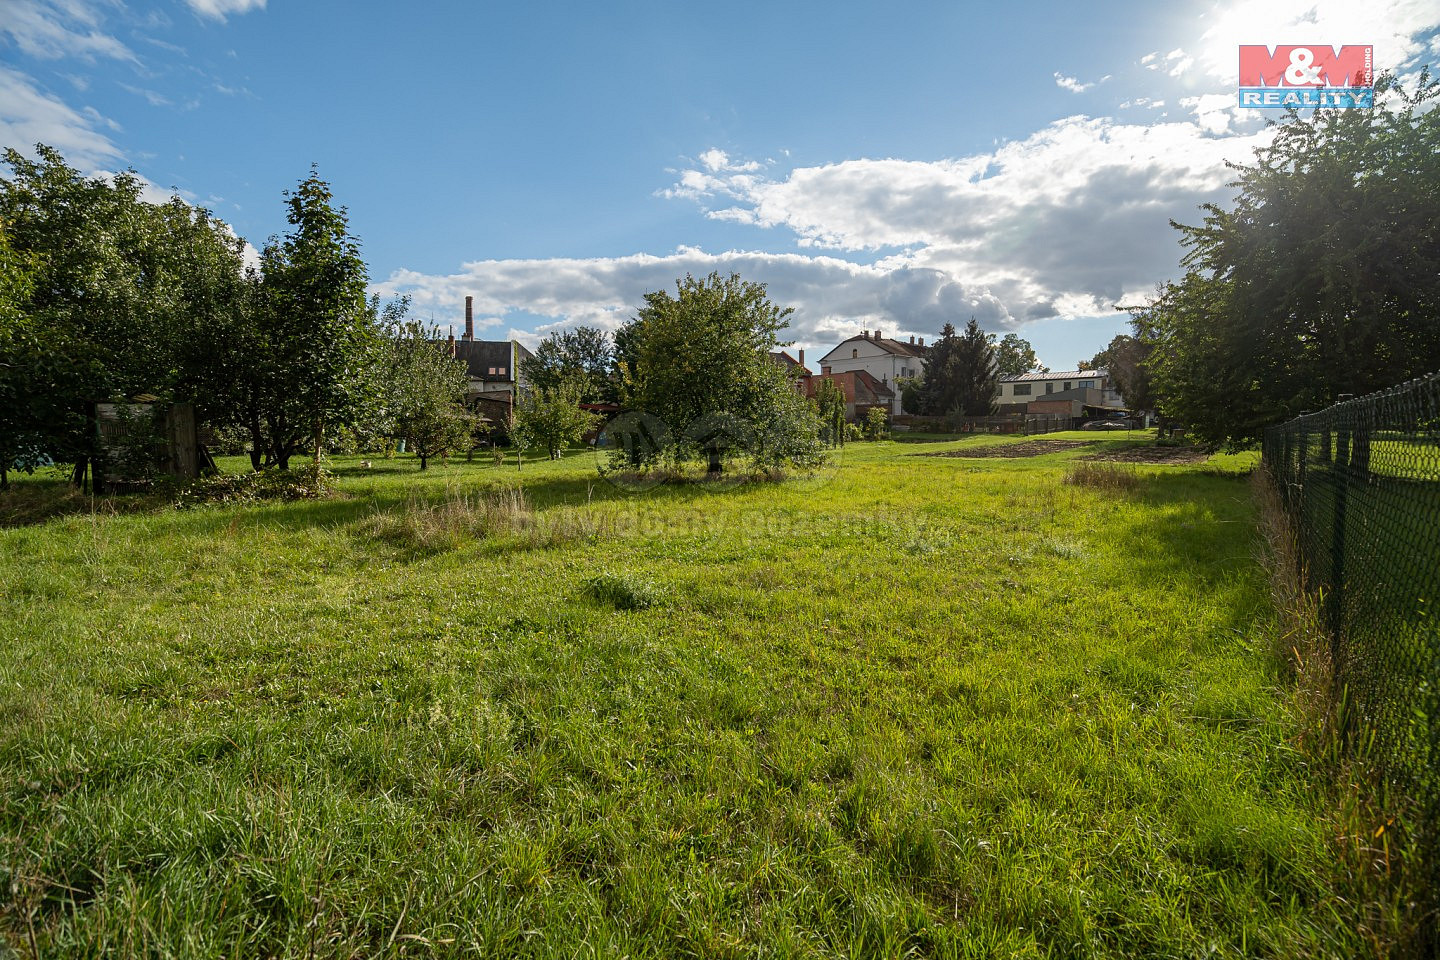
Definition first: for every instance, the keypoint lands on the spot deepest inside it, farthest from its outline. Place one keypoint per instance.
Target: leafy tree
(319, 338)
(424, 388)
(1014, 355)
(699, 359)
(1323, 279)
(829, 402)
(912, 394)
(127, 297)
(582, 356)
(1101, 361)
(1126, 359)
(875, 420)
(551, 418)
(960, 374)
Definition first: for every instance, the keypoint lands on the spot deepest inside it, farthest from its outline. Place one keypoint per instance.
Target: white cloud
(52, 29)
(151, 97)
(1398, 29)
(29, 116)
(1074, 85)
(220, 9)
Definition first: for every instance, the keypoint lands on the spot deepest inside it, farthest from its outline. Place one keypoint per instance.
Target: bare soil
(1029, 448)
(1171, 455)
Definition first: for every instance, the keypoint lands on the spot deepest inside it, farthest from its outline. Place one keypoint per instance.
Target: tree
(582, 356)
(126, 297)
(829, 403)
(424, 387)
(1324, 278)
(1014, 355)
(700, 361)
(960, 374)
(875, 420)
(552, 418)
(319, 338)
(1126, 359)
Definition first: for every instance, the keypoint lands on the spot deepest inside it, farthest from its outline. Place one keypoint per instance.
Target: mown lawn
(913, 706)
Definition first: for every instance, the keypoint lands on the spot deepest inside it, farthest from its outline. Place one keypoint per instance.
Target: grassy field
(914, 705)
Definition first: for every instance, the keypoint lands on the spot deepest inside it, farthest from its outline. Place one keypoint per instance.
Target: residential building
(861, 390)
(1064, 393)
(887, 361)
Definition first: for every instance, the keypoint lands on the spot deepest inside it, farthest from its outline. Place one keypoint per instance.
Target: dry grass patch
(462, 518)
(1102, 476)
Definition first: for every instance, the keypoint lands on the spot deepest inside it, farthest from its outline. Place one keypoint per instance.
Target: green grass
(911, 706)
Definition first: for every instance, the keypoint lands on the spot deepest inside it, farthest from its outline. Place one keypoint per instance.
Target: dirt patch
(1028, 448)
(1178, 456)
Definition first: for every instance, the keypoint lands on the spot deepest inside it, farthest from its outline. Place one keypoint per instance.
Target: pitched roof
(788, 362)
(858, 386)
(897, 347)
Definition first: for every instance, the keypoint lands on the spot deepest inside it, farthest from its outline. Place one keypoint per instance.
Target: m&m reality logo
(1307, 76)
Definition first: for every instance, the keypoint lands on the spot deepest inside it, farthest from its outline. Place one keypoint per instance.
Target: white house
(888, 361)
(1060, 393)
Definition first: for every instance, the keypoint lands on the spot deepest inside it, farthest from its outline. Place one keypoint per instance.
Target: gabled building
(860, 389)
(885, 360)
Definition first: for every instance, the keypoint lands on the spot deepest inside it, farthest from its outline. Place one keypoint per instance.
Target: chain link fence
(1360, 482)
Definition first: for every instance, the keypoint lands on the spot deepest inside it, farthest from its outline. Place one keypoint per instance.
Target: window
(1087, 384)
(854, 354)
(502, 371)
(1049, 388)
(492, 371)
(1067, 384)
(1022, 389)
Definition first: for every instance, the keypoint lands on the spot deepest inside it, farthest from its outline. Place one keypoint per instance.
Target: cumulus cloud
(1400, 30)
(29, 116)
(1074, 85)
(220, 9)
(832, 297)
(52, 29)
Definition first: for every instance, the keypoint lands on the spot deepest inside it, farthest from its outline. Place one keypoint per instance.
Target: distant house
(861, 390)
(1067, 393)
(885, 360)
(494, 366)
(791, 365)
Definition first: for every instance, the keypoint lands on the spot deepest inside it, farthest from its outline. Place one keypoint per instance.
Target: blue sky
(880, 167)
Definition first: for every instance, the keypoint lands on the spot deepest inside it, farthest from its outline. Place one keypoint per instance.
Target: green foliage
(961, 378)
(829, 402)
(623, 592)
(875, 423)
(423, 388)
(319, 338)
(550, 418)
(583, 357)
(1014, 355)
(119, 297)
(311, 482)
(699, 360)
(1323, 278)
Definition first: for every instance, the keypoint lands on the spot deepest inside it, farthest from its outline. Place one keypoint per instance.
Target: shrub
(310, 482)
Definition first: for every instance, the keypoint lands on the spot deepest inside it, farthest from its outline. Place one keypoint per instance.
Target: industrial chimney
(469, 318)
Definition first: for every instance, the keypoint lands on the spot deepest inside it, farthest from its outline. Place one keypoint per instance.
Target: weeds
(623, 592)
(308, 482)
(463, 518)
(1102, 476)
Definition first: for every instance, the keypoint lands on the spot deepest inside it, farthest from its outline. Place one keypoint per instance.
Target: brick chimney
(912, 338)
(922, 341)
(469, 318)
(451, 343)
(802, 358)
(865, 334)
(877, 336)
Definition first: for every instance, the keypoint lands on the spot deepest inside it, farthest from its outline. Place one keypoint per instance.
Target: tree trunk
(715, 465)
(423, 459)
